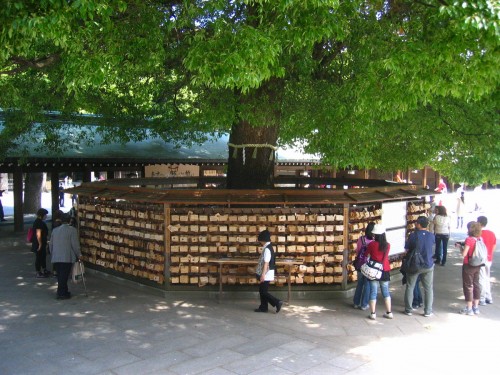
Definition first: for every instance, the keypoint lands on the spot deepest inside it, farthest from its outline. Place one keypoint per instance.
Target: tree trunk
(33, 183)
(253, 167)
(251, 150)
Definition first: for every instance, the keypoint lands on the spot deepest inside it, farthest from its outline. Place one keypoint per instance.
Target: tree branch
(25, 64)
(429, 5)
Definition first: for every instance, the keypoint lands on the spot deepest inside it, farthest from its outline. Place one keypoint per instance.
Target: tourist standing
(490, 241)
(470, 274)
(460, 210)
(421, 241)
(378, 250)
(442, 231)
(39, 244)
(61, 195)
(362, 293)
(2, 215)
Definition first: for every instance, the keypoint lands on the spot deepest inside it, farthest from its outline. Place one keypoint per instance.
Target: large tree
(365, 83)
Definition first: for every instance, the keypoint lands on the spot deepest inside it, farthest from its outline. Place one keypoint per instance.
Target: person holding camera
(470, 274)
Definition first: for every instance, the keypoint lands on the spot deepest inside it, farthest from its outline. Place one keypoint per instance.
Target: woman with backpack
(362, 293)
(470, 273)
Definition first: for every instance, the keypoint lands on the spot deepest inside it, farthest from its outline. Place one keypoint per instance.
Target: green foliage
(371, 84)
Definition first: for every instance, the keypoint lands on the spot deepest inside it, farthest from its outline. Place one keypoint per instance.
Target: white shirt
(267, 258)
(442, 224)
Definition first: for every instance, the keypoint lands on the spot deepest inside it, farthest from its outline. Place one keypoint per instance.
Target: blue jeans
(362, 293)
(384, 289)
(417, 294)
(427, 277)
(441, 248)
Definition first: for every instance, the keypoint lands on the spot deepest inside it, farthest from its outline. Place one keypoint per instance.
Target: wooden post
(345, 261)
(166, 244)
(54, 191)
(18, 200)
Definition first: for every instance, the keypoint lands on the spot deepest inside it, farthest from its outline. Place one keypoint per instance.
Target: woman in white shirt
(442, 230)
(460, 210)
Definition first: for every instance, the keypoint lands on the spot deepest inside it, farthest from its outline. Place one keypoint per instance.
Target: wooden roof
(249, 197)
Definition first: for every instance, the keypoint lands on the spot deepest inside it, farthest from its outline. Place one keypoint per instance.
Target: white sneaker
(372, 316)
(388, 315)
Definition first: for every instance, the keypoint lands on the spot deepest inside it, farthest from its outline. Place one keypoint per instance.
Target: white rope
(256, 146)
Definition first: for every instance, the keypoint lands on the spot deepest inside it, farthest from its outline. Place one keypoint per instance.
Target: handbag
(77, 272)
(372, 270)
(31, 235)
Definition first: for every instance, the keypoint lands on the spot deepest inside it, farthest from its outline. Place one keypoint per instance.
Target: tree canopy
(389, 84)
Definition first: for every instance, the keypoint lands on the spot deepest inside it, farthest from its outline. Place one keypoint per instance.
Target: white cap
(378, 229)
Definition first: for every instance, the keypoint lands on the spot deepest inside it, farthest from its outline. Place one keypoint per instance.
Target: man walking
(65, 249)
(490, 241)
(421, 241)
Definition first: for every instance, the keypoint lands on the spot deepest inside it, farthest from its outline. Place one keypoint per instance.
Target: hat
(423, 221)
(378, 229)
(264, 236)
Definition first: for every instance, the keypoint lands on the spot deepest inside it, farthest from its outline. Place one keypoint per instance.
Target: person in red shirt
(441, 188)
(470, 274)
(490, 241)
(378, 250)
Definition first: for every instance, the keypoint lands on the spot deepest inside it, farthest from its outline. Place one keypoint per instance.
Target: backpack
(416, 262)
(479, 255)
(31, 235)
(361, 257)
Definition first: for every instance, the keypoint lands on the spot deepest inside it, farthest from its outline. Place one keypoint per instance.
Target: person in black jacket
(265, 274)
(2, 216)
(39, 244)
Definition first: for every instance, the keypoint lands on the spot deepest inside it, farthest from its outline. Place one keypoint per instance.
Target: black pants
(63, 273)
(441, 248)
(266, 297)
(41, 259)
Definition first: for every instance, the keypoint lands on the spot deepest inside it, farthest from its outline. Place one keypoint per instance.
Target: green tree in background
(368, 84)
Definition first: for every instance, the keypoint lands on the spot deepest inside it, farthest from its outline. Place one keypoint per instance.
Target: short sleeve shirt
(39, 224)
(376, 254)
(490, 241)
(471, 241)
